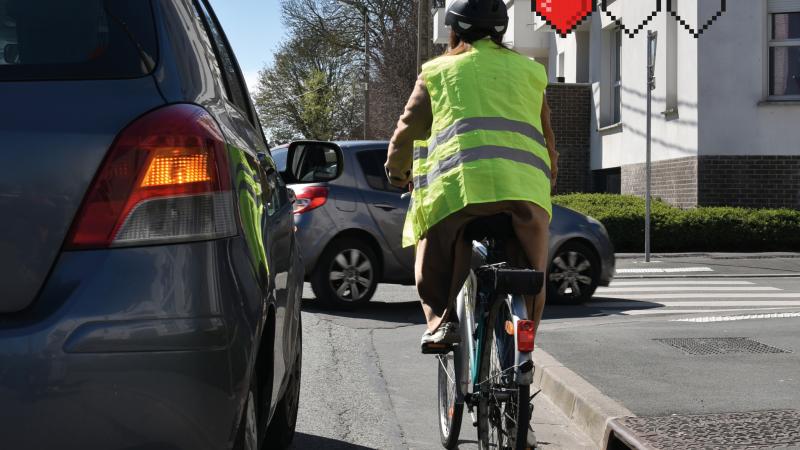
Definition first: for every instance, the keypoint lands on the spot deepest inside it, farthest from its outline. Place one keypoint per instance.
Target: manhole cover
(719, 346)
(753, 430)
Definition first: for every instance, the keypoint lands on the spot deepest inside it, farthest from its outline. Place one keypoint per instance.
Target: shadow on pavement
(400, 312)
(307, 441)
(598, 307)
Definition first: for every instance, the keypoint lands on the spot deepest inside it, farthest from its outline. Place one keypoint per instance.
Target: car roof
(361, 145)
(350, 145)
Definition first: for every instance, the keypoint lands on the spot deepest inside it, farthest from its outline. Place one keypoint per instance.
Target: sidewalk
(677, 384)
(705, 265)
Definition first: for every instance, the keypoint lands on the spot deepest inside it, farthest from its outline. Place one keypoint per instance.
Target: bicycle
(490, 371)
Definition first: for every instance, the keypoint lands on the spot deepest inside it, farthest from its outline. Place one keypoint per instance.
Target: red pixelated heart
(564, 15)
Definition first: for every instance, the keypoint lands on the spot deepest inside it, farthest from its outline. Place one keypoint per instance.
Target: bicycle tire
(501, 425)
(450, 412)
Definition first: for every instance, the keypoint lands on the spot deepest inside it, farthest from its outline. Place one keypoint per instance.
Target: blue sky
(254, 30)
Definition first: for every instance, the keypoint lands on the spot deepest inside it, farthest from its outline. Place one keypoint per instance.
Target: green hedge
(706, 229)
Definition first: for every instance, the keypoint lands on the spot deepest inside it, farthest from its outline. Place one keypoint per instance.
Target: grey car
(350, 233)
(150, 278)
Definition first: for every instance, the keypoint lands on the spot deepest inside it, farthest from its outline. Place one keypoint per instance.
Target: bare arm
(414, 124)
(550, 139)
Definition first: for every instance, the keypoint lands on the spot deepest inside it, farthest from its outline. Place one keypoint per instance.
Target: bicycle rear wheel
(450, 412)
(504, 407)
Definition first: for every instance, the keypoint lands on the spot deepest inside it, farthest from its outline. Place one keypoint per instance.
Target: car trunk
(53, 137)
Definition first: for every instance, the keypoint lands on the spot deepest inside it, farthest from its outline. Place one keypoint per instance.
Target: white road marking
(680, 283)
(736, 318)
(720, 303)
(707, 295)
(665, 311)
(685, 289)
(716, 275)
(667, 270)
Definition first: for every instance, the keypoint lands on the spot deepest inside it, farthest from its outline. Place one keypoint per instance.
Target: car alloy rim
(572, 273)
(351, 275)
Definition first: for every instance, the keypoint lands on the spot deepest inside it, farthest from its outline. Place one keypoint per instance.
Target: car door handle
(384, 206)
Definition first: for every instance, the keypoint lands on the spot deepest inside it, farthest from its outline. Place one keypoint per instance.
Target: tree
(338, 25)
(309, 92)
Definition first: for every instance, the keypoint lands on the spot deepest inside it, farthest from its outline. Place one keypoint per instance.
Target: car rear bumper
(124, 349)
(160, 400)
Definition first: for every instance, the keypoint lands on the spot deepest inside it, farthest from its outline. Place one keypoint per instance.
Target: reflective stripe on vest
(464, 126)
(478, 153)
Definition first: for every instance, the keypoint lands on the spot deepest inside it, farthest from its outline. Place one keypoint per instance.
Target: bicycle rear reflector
(525, 335)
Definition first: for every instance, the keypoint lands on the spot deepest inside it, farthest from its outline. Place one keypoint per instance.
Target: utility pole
(366, 72)
(652, 46)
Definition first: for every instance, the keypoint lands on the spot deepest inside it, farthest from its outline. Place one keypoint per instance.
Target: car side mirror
(313, 162)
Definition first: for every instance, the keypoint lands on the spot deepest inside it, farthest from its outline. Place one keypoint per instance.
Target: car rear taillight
(309, 197)
(525, 335)
(165, 179)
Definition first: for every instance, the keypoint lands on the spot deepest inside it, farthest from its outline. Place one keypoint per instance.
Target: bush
(710, 229)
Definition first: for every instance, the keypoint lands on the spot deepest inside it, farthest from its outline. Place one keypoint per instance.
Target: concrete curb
(587, 407)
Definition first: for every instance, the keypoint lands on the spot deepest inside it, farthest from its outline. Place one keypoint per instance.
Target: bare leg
(532, 226)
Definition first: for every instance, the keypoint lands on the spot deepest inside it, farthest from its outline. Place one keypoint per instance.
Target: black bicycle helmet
(476, 19)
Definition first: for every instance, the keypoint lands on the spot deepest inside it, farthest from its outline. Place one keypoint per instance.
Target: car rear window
(279, 156)
(87, 39)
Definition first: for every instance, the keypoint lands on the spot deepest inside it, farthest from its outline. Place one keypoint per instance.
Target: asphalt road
(366, 386)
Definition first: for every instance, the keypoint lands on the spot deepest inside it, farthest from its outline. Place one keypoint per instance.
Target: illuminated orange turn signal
(175, 166)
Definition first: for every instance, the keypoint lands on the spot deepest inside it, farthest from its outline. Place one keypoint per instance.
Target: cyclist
(488, 149)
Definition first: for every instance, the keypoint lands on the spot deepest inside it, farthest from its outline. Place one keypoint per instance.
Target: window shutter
(783, 6)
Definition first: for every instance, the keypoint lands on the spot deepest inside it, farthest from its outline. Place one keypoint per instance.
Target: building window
(611, 81)
(617, 78)
(608, 181)
(671, 107)
(784, 51)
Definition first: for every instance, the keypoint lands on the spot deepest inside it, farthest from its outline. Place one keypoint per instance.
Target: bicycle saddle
(489, 227)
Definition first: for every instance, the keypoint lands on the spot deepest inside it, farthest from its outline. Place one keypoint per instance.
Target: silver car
(350, 234)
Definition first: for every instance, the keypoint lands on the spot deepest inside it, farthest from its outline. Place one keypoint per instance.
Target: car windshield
(279, 156)
(89, 39)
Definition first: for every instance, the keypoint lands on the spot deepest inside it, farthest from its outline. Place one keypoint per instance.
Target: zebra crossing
(679, 296)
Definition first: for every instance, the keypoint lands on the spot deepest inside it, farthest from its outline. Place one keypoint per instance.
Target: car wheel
(281, 430)
(346, 274)
(247, 437)
(573, 274)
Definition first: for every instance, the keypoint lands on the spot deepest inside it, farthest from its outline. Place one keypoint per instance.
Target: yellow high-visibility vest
(486, 143)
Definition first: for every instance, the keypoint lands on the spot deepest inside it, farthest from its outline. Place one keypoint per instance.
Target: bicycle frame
(471, 308)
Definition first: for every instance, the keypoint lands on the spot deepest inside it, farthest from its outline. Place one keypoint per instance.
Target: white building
(726, 108)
